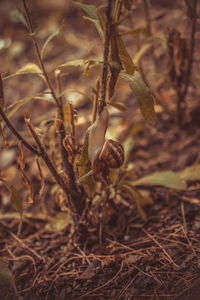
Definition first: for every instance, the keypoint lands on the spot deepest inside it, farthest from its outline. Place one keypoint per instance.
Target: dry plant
(99, 162)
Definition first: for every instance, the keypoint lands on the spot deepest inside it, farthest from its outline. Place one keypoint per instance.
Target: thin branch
(62, 133)
(181, 105)
(17, 135)
(104, 77)
(51, 167)
(32, 34)
(191, 52)
(70, 187)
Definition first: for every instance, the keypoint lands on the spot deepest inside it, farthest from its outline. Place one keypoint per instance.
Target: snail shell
(112, 154)
(103, 153)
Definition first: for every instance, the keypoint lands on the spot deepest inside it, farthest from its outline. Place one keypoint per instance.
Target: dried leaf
(3, 135)
(92, 12)
(90, 271)
(125, 57)
(52, 141)
(166, 178)
(1, 92)
(21, 156)
(84, 166)
(41, 176)
(143, 96)
(28, 186)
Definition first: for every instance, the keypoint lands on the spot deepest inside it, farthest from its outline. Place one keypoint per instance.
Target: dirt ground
(126, 257)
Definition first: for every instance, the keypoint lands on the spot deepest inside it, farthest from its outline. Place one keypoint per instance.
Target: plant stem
(32, 34)
(51, 167)
(95, 102)
(18, 136)
(70, 187)
(104, 77)
(181, 98)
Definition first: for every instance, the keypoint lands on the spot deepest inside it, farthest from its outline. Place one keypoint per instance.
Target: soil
(121, 255)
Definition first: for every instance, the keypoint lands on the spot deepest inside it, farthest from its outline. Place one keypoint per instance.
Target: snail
(103, 153)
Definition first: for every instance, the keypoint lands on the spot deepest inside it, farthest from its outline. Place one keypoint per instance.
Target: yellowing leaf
(140, 53)
(128, 145)
(92, 12)
(143, 96)
(29, 68)
(118, 105)
(191, 173)
(125, 57)
(137, 197)
(84, 167)
(59, 222)
(74, 63)
(166, 178)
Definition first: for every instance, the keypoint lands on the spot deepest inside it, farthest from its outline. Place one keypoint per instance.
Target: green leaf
(191, 173)
(54, 34)
(118, 105)
(17, 14)
(166, 178)
(143, 96)
(91, 10)
(6, 277)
